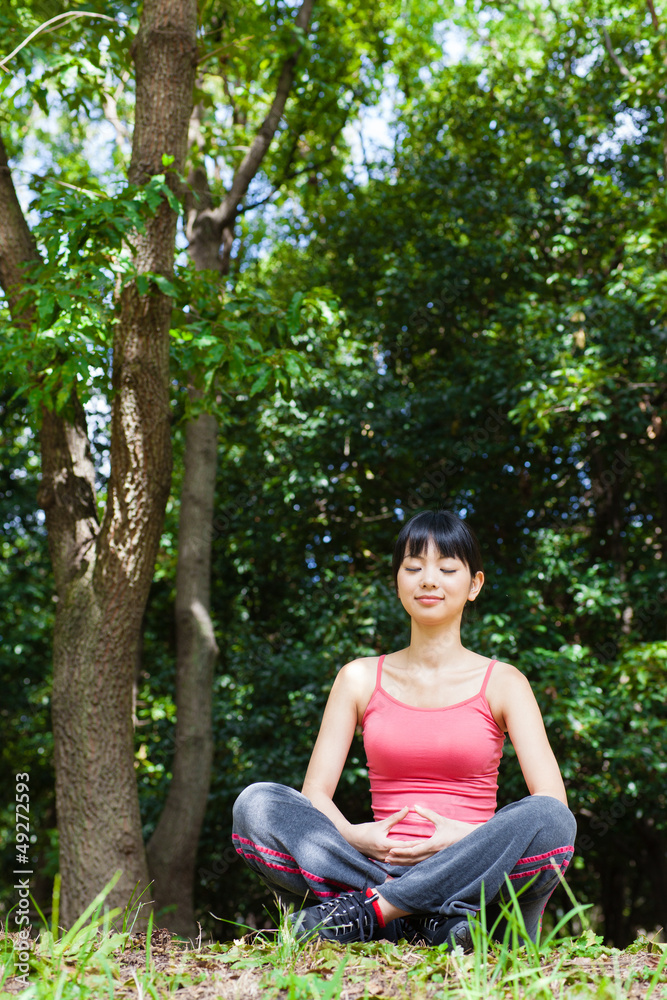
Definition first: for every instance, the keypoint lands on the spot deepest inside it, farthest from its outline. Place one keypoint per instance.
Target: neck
(435, 647)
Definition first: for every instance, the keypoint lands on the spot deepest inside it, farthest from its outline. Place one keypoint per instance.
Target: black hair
(451, 535)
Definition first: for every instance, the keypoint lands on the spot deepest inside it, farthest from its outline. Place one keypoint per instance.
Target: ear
(476, 585)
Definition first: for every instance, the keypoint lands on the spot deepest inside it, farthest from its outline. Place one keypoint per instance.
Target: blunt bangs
(450, 534)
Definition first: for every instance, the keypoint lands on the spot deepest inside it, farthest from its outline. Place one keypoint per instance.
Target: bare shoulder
(358, 674)
(505, 673)
(507, 689)
(356, 681)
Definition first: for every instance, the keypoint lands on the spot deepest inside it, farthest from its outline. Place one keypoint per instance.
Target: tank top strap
(378, 679)
(487, 675)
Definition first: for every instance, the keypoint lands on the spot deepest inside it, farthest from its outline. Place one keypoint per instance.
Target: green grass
(102, 956)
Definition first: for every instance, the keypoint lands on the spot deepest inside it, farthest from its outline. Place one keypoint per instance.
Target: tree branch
(67, 490)
(67, 16)
(224, 215)
(235, 45)
(610, 49)
(236, 118)
(203, 236)
(260, 144)
(308, 169)
(111, 111)
(17, 246)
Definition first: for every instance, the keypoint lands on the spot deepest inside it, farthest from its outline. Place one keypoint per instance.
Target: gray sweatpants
(298, 852)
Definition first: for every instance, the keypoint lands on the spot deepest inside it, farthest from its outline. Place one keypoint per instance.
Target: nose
(428, 580)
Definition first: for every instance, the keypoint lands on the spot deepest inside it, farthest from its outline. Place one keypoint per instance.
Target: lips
(429, 600)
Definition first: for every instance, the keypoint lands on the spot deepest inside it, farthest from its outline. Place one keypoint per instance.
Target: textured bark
(17, 246)
(103, 574)
(173, 846)
(97, 639)
(172, 849)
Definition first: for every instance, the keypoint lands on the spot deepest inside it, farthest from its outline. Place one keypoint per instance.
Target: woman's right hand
(372, 839)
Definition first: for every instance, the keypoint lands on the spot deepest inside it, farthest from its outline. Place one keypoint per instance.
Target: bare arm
(333, 743)
(349, 696)
(525, 728)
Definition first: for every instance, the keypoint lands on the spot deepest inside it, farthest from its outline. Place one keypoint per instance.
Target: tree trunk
(17, 246)
(172, 848)
(99, 624)
(103, 574)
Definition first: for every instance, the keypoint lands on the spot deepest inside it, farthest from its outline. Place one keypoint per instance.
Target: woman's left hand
(447, 832)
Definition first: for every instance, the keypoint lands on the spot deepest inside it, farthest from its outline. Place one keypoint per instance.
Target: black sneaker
(433, 929)
(352, 916)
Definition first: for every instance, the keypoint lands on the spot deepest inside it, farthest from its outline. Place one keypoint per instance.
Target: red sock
(372, 894)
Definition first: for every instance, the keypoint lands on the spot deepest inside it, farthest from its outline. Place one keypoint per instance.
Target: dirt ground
(247, 971)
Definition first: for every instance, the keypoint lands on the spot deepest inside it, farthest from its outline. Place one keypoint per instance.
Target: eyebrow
(422, 558)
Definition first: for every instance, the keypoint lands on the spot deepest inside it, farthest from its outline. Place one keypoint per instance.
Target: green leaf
(261, 381)
(166, 286)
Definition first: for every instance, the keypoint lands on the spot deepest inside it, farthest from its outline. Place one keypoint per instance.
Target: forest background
(276, 277)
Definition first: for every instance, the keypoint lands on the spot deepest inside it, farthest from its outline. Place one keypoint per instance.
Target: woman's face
(435, 588)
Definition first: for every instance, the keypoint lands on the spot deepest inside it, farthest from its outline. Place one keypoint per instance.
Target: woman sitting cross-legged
(434, 717)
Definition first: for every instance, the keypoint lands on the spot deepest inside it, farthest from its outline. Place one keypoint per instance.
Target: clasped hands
(372, 839)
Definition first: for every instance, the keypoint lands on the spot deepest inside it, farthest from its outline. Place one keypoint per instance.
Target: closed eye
(416, 569)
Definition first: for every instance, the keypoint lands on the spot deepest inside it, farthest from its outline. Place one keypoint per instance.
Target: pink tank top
(445, 759)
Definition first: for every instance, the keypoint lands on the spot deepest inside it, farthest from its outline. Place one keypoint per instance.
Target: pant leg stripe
(297, 870)
(544, 868)
(543, 857)
(258, 847)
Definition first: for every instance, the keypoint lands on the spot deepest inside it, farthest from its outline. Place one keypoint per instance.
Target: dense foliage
(500, 349)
